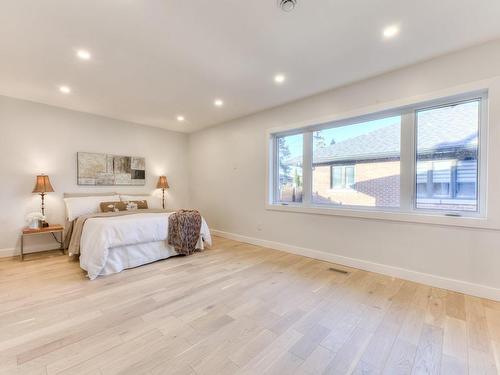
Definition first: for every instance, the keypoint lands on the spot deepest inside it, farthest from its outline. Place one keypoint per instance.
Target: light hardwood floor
(237, 309)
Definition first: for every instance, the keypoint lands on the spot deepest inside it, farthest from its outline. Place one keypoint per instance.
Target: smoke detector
(287, 5)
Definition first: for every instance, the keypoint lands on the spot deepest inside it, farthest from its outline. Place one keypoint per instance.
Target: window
(337, 177)
(423, 177)
(349, 177)
(360, 162)
(372, 149)
(441, 179)
(466, 179)
(290, 159)
(447, 157)
(342, 177)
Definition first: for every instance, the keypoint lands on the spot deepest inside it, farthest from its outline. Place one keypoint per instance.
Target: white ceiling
(156, 59)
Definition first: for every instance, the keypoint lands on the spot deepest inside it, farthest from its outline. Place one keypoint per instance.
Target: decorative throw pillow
(153, 201)
(136, 204)
(123, 206)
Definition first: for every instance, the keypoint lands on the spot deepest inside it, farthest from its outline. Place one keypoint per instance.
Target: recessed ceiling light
(64, 89)
(83, 54)
(391, 31)
(180, 118)
(279, 78)
(218, 102)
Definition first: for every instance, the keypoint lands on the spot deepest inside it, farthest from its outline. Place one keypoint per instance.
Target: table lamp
(43, 186)
(162, 184)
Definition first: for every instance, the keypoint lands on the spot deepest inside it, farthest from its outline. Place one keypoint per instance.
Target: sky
(341, 133)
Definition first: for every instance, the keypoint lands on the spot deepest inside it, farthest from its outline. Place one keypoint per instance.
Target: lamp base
(45, 224)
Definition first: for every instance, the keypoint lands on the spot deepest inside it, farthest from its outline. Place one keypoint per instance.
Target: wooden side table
(52, 229)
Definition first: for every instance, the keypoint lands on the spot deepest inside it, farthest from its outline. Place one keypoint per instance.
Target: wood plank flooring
(237, 309)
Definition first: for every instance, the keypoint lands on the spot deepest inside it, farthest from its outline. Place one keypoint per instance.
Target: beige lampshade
(162, 183)
(43, 185)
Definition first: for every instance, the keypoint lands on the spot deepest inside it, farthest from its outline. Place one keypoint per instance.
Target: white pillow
(153, 202)
(78, 206)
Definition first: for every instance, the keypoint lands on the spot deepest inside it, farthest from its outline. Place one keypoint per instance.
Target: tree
(284, 154)
(319, 139)
(297, 179)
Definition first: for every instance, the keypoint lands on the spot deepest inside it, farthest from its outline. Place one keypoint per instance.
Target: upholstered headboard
(78, 195)
(68, 225)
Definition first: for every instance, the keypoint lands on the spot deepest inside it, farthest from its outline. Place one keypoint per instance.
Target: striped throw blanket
(184, 230)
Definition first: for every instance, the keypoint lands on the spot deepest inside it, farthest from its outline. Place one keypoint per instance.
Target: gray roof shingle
(439, 130)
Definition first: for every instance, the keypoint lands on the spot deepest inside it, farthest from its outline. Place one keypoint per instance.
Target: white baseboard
(10, 252)
(478, 290)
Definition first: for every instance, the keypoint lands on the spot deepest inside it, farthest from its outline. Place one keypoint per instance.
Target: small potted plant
(35, 220)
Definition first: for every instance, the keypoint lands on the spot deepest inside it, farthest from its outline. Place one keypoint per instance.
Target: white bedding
(111, 244)
(130, 256)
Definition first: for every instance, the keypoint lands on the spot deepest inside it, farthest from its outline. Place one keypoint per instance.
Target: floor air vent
(338, 270)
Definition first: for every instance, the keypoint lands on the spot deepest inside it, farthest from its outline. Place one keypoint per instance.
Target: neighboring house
(365, 170)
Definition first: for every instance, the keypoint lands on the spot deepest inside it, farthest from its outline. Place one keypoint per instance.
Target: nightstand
(52, 229)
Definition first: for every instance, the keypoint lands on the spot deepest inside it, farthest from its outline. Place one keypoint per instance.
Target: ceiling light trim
(390, 31)
(279, 78)
(65, 89)
(83, 54)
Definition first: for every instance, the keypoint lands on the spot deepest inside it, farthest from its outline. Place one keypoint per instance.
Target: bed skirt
(130, 256)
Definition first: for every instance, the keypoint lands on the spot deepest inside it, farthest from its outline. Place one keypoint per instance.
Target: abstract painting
(105, 169)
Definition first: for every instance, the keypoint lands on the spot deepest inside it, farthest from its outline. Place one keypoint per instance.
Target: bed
(112, 242)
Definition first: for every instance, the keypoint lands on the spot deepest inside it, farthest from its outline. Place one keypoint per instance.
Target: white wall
(222, 171)
(36, 138)
(228, 172)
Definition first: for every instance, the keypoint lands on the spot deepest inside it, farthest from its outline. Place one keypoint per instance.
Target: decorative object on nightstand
(162, 184)
(35, 220)
(52, 229)
(43, 186)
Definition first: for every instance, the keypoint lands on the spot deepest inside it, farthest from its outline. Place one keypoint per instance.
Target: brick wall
(376, 185)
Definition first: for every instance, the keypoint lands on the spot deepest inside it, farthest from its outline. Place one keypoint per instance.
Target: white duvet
(102, 235)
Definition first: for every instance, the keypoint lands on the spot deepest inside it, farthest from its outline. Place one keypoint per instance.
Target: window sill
(388, 215)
